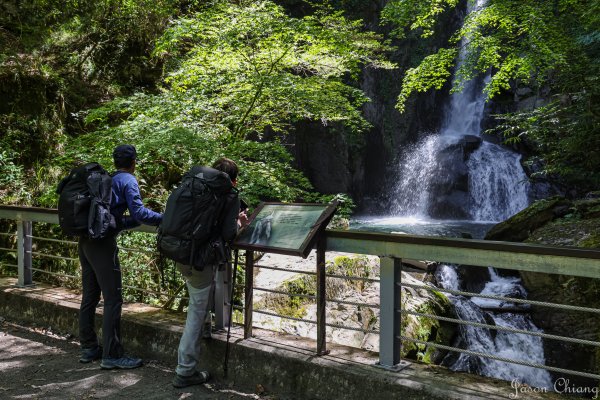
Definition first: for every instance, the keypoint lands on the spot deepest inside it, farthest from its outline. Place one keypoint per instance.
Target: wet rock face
(521, 225)
(473, 278)
(450, 187)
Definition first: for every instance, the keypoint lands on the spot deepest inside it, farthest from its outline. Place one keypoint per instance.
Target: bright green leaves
(415, 15)
(517, 40)
(266, 69)
(566, 133)
(231, 72)
(433, 72)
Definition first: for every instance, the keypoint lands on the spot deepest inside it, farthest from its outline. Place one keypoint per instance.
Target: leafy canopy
(536, 44)
(525, 40)
(232, 71)
(255, 67)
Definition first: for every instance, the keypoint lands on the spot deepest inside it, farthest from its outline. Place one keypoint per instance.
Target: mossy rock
(588, 208)
(569, 231)
(291, 306)
(425, 328)
(519, 227)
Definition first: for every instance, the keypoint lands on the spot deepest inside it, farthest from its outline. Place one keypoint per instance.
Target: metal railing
(392, 249)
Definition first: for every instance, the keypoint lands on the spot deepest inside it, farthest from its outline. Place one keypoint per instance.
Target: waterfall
(457, 174)
(502, 344)
(497, 183)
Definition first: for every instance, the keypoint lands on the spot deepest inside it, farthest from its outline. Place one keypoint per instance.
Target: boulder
(520, 226)
(360, 317)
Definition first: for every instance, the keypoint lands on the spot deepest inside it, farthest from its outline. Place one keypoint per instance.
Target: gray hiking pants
(200, 286)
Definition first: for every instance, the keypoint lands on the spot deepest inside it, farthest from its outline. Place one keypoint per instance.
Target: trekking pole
(235, 264)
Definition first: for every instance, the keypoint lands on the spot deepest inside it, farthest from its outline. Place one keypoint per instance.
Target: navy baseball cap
(124, 151)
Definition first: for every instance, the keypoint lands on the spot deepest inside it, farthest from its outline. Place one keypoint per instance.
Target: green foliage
(516, 40)
(254, 67)
(566, 133)
(12, 179)
(415, 15)
(433, 72)
(232, 71)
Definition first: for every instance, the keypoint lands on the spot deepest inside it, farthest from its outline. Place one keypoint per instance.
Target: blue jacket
(126, 195)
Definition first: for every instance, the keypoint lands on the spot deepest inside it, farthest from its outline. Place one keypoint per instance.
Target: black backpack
(84, 202)
(189, 231)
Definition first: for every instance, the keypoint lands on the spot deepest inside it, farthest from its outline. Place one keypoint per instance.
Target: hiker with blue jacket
(200, 280)
(101, 271)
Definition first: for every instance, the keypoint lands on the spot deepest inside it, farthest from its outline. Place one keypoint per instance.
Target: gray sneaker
(90, 354)
(197, 378)
(121, 363)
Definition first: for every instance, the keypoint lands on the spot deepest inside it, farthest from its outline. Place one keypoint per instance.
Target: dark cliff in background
(336, 160)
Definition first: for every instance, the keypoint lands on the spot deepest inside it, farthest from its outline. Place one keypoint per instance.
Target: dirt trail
(38, 364)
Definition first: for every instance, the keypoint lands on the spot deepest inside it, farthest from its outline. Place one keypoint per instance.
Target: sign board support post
(24, 246)
(249, 286)
(321, 297)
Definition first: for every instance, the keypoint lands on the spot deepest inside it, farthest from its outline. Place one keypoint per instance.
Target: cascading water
(503, 344)
(497, 190)
(457, 175)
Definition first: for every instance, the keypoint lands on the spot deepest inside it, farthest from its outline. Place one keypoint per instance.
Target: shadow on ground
(38, 364)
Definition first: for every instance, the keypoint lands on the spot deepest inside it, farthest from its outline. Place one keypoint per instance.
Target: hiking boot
(90, 354)
(121, 363)
(207, 331)
(197, 378)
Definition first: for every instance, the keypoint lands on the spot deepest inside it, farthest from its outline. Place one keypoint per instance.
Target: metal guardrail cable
(284, 316)
(43, 271)
(51, 240)
(352, 278)
(350, 328)
(298, 271)
(310, 321)
(355, 278)
(37, 253)
(144, 251)
(151, 291)
(504, 328)
(353, 303)
(507, 299)
(8, 234)
(503, 359)
(306, 296)
(8, 265)
(8, 249)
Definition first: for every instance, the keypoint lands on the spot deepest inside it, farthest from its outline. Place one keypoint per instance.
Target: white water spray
(497, 189)
(504, 344)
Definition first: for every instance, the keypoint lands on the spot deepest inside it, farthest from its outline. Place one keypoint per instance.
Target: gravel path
(37, 364)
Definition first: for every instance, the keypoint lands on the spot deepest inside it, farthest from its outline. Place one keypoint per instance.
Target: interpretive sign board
(284, 228)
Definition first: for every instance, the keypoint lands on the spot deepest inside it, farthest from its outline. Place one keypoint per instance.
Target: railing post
(249, 288)
(223, 279)
(24, 253)
(321, 298)
(389, 318)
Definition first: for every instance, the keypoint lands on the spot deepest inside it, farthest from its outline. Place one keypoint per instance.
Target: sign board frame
(309, 218)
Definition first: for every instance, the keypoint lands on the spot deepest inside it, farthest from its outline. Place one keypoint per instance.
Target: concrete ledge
(284, 365)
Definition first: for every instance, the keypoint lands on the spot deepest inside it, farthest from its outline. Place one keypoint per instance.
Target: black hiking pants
(101, 274)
